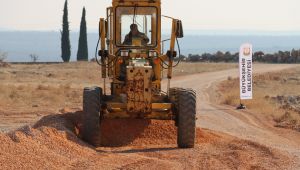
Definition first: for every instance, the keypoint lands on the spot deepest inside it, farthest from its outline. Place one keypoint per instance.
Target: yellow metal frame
(162, 111)
(116, 109)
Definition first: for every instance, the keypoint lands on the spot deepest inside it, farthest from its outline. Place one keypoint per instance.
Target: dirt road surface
(241, 124)
(228, 139)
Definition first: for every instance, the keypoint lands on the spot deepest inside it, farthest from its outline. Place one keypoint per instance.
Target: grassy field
(54, 86)
(267, 88)
(191, 68)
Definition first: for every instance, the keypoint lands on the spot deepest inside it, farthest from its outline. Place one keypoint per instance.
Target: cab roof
(143, 2)
(151, 1)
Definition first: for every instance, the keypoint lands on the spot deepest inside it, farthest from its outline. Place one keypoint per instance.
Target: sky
(258, 15)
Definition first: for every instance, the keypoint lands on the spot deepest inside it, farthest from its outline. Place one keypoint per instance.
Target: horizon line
(217, 32)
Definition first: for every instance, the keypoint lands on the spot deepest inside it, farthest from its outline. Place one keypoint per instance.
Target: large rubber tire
(91, 119)
(186, 132)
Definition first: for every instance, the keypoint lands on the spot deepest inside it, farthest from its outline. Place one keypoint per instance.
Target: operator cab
(134, 37)
(136, 26)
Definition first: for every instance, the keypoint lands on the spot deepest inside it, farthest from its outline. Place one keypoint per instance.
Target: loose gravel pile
(52, 143)
(136, 132)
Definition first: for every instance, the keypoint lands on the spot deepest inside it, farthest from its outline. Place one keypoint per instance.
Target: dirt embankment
(52, 143)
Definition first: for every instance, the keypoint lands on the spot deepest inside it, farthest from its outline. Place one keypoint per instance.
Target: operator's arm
(127, 40)
(145, 39)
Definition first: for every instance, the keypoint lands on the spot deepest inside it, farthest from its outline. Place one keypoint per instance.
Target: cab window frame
(130, 46)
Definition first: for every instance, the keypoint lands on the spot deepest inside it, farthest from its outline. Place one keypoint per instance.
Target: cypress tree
(82, 53)
(65, 36)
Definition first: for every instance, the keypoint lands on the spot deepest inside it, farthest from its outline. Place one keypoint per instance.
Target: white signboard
(246, 69)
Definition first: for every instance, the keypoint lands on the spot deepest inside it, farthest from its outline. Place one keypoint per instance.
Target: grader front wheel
(91, 118)
(186, 114)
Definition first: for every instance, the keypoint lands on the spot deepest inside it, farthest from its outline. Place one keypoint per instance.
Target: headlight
(124, 53)
(152, 54)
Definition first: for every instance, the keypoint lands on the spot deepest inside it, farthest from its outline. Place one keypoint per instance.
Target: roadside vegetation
(292, 56)
(276, 95)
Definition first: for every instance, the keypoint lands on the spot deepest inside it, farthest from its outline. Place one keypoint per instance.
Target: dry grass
(265, 87)
(41, 86)
(30, 97)
(55, 86)
(191, 68)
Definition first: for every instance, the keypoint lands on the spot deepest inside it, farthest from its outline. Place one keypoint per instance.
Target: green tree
(294, 55)
(82, 53)
(228, 57)
(219, 56)
(65, 36)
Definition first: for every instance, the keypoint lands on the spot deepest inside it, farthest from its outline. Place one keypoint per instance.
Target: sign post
(246, 69)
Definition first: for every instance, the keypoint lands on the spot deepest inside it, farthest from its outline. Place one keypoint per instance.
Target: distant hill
(19, 45)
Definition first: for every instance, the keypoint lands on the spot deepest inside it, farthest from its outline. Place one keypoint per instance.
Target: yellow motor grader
(132, 62)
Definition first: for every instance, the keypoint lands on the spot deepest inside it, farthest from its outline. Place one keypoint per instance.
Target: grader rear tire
(91, 119)
(186, 118)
